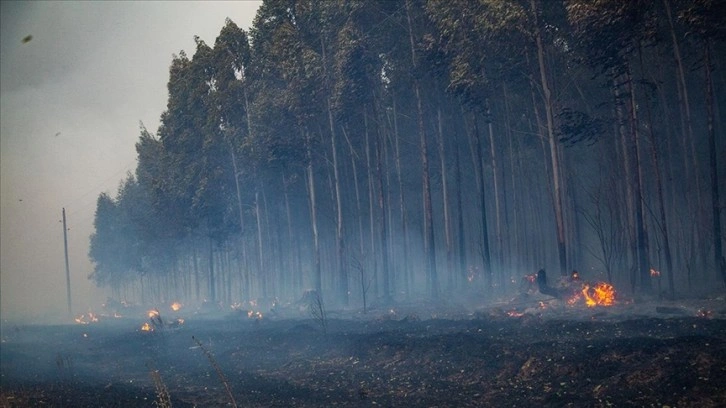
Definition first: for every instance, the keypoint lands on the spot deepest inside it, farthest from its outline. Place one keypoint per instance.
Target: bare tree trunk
(429, 243)
(385, 269)
(402, 204)
(514, 234)
(485, 247)
(212, 294)
(447, 215)
(460, 220)
(317, 278)
(659, 192)
(497, 195)
(371, 205)
(559, 218)
(720, 262)
(637, 199)
(359, 212)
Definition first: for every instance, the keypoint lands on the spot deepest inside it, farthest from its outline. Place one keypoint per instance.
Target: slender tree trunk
(659, 192)
(371, 205)
(485, 247)
(317, 278)
(429, 243)
(460, 219)
(359, 211)
(514, 230)
(497, 196)
(402, 203)
(720, 262)
(212, 294)
(385, 269)
(554, 156)
(635, 167)
(447, 215)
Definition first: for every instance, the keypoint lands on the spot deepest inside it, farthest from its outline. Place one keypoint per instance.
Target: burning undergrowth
(553, 354)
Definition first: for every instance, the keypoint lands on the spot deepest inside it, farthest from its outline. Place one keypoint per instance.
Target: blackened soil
(476, 361)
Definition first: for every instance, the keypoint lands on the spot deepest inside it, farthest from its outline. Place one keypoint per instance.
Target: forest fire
(602, 294)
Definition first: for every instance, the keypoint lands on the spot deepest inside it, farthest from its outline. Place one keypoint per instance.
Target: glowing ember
(176, 306)
(602, 294)
(152, 313)
(574, 299)
(654, 273)
(254, 315)
(146, 327)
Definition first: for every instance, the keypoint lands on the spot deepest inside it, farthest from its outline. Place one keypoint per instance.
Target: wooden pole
(68, 271)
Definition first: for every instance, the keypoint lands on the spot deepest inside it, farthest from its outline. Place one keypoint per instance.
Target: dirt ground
(518, 354)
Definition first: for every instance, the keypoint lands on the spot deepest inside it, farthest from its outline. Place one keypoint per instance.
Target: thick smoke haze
(76, 78)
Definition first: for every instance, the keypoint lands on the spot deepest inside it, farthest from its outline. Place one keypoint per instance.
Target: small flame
(254, 315)
(515, 313)
(152, 313)
(86, 319)
(176, 306)
(146, 327)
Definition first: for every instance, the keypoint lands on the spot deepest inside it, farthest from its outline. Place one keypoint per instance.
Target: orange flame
(152, 313)
(176, 306)
(602, 294)
(146, 327)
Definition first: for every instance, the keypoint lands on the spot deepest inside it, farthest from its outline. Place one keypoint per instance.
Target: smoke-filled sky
(71, 99)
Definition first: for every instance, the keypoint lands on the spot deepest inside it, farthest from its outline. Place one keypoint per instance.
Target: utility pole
(68, 271)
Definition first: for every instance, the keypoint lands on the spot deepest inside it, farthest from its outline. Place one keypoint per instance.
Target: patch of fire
(156, 323)
(83, 318)
(602, 294)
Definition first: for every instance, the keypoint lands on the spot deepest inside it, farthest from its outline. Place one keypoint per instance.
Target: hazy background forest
(380, 151)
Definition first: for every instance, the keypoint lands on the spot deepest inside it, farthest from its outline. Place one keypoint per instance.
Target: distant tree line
(391, 149)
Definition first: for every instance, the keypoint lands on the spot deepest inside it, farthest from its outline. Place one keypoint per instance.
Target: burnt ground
(669, 356)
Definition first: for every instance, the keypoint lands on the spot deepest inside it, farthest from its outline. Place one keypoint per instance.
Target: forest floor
(520, 353)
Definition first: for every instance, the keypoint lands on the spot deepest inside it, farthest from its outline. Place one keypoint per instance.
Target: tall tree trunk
(407, 278)
(460, 219)
(261, 272)
(317, 278)
(497, 194)
(514, 230)
(485, 247)
(447, 215)
(633, 145)
(371, 205)
(429, 243)
(720, 262)
(385, 268)
(554, 156)
(212, 294)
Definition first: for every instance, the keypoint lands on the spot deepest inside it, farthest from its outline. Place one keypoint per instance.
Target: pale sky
(71, 100)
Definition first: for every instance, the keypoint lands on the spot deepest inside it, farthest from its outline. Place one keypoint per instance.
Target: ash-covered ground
(522, 352)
